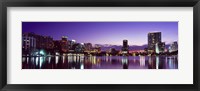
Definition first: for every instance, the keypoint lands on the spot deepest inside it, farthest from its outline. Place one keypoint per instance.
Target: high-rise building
(125, 43)
(78, 47)
(71, 43)
(43, 42)
(173, 47)
(88, 46)
(125, 47)
(153, 39)
(28, 41)
(38, 41)
(160, 47)
(64, 44)
(57, 45)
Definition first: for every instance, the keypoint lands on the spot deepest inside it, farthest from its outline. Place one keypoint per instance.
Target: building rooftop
(64, 36)
(155, 32)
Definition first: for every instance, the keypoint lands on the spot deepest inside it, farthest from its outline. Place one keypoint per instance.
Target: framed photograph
(99, 45)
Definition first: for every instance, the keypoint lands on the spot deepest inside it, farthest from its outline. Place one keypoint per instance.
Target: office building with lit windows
(125, 47)
(173, 47)
(71, 43)
(32, 40)
(28, 41)
(64, 44)
(161, 47)
(153, 39)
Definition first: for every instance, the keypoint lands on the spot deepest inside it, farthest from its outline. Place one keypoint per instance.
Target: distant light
(82, 66)
(57, 58)
(64, 36)
(157, 62)
(157, 48)
(73, 40)
(57, 53)
(42, 52)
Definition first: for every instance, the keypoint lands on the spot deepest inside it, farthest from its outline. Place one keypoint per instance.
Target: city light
(157, 49)
(42, 52)
(73, 51)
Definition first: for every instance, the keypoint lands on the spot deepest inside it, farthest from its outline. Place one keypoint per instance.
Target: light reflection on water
(100, 62)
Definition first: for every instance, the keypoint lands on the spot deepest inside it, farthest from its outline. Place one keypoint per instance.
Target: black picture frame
(99, 3)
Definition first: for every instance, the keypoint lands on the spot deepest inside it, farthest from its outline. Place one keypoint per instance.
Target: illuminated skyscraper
(79, 47)
(64, 44)
(173, 47)
(71, 43)
(161, 46)
(125, 47)
(153, 39)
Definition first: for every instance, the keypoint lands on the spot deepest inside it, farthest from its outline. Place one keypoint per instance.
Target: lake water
(100, 62)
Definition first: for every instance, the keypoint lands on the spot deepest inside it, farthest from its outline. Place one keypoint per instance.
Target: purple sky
(104, 32)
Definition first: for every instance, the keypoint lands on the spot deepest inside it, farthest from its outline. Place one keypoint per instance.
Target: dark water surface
(100, 62)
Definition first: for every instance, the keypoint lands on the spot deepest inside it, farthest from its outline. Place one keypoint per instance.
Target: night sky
(104, 32)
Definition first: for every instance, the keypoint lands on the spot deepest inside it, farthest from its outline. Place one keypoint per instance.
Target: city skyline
(104, 32)
(70, 45)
